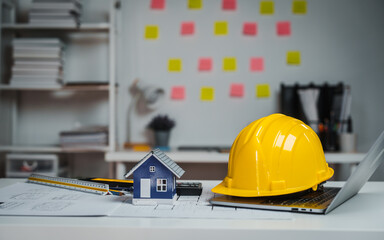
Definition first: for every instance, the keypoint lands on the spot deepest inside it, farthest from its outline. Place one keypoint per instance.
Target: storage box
(22, 165)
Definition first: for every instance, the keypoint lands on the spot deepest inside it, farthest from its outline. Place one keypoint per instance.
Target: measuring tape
(69, 183)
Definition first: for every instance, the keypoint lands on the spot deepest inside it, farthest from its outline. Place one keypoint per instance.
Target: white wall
(339, 41)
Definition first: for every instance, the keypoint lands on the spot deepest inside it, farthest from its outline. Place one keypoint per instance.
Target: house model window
(152, 169)
(161, 185)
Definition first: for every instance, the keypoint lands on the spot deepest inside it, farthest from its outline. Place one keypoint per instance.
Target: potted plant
(161, 126)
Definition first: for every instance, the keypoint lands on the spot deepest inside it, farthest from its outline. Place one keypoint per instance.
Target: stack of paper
(65, 13)
(37, 62)
(94, 136)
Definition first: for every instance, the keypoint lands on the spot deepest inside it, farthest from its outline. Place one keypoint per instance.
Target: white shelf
(53, 149)
(177, 156)
(10, 28)
(82, 27)
(344, 158)
(59, 88)
(216, 157)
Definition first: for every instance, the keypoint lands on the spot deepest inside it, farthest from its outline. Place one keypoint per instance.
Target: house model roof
(164, 159)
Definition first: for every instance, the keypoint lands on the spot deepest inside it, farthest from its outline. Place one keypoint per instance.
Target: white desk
(362, 217)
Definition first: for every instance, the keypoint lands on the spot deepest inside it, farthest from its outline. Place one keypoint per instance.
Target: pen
(116, 186)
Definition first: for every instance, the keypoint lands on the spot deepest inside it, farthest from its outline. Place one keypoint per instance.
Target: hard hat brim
(223, 189)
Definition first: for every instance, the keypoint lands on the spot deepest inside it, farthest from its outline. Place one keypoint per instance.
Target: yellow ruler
(69, 183)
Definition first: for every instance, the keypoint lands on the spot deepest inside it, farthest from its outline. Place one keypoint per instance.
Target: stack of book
(37, 62)
(85, 137)
(63, 13)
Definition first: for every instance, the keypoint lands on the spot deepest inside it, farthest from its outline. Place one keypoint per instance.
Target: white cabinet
(32, 117)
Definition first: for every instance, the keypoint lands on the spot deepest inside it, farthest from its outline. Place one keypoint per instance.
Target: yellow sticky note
(151, 32)
(175, 65)
(267, 7)
(195, 4)
(293, 58)
(299, 7)
(221, 28)
(229, 64)
(262, 91)
(207, 94)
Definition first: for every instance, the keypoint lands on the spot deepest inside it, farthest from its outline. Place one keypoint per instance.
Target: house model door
(145, 188)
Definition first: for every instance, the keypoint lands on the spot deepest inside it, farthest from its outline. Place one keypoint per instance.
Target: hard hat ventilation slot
(278, 185)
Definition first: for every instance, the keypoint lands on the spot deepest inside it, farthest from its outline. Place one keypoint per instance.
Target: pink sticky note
(205, 64)
(229, 4)
(157, 4)
(178, 92)
(250, 28)
(237, 90)
(187, 28)
(256, 64)
(283, 28)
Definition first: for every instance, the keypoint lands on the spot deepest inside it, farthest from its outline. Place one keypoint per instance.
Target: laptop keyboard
(321, 198)
(326, 196)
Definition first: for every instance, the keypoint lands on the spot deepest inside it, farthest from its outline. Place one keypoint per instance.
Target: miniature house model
(154, 179)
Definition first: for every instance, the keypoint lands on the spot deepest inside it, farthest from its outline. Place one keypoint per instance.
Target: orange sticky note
(207, 94)
(283, 28)
(151, 32)
(250, 28)
(267, 7)
(262, 91)
(256, 64)
(229, 64)
(221, 28)
(237, 90)
(158, 4)
(174, 65)
(228, 4)
(299, 7)
(205, 64)
(293, 58)
(187, 28)
(195, 4)
(178, 93)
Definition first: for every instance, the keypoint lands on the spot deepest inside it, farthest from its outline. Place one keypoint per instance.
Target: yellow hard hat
(274, 155)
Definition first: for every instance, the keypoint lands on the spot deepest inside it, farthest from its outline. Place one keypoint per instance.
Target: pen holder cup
(162, 138)
(347, 142)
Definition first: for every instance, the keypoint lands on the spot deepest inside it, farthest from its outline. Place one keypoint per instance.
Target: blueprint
(29, 199)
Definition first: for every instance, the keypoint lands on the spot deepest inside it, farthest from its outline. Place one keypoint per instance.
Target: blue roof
(164, 159)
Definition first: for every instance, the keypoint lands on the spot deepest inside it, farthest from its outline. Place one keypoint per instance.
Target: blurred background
(81, 81)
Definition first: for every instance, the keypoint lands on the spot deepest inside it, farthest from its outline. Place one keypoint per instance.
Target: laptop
(322, 201)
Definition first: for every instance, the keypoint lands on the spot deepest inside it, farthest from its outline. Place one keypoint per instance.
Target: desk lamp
(145, 99)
